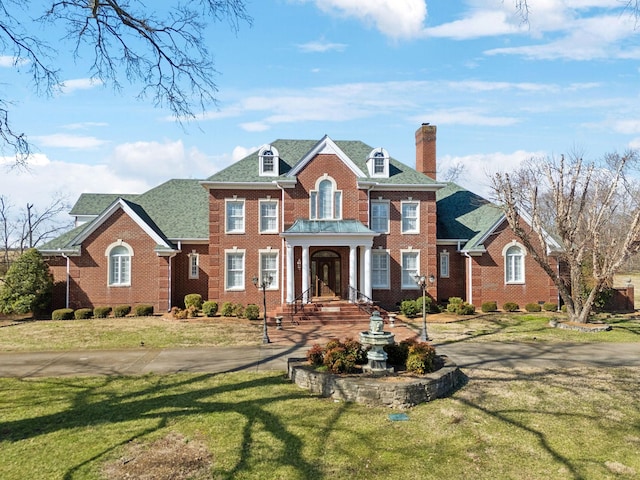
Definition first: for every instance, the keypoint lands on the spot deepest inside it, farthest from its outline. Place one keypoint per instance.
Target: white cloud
(84, 125)
(321, 46)
(467, 117)
(477, 169)
(395, 19)
(72, 85)
(8, 61)
(62, 140)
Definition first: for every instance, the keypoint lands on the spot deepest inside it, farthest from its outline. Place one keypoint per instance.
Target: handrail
(362, 301)
(299, 301)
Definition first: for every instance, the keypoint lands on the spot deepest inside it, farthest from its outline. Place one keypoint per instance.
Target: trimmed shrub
(62, 314)
(227, 309)
(82, 313)
(489, 307)
(101, 312)
(252, 312)
(397, 353)
(421, 358)
(210, 308)
(409, 308)
(550, 307)
(342, 357)
(460, 307)
(510, 307)
(533, 307)
(238, 310)
(315, 355)
(193, 299)
(120, 311)
(143, 310)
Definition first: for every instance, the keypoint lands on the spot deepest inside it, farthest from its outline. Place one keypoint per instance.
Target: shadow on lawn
(170, 398)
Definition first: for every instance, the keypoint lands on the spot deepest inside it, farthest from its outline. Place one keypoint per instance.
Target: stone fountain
(376, 338)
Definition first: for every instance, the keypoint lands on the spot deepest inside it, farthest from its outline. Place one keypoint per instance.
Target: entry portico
(321, 249)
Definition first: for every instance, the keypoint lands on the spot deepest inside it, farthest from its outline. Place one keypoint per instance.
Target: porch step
(334, 312)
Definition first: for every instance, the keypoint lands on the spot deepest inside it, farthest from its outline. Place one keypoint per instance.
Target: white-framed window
(380, 269)
(380, 216)
(514, 254)
(444, 264)
(269, 266)
(234, 211)
(410, 266)
(194, 265)
(268, 216)
(325, 202)
(410, 217)
(234, 270)
(119, 255)
(269, 159)
(378, 163)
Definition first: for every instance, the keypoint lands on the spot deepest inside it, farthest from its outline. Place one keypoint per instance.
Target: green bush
(27, 285)
(421, 358)
(252, 312)
(533, 307)
(121, 311)
(210, 308)
(82, 313)
(227, 309)
(342, 357)
(510, 307)
(397, 353)
(550, 307)
(143, 310)
(460, 307)
(62, 314)
(315, 355)
(238, 310)
(101, 312)
(409, 308)
(193, 299)
(489, 307)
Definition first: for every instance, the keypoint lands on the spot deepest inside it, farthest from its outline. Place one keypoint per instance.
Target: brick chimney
(426, 150)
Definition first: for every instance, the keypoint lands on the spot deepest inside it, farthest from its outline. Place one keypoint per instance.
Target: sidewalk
(293, 341)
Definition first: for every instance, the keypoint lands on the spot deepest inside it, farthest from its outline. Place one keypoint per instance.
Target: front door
(325, 274)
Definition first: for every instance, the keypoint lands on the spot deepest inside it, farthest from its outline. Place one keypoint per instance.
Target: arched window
(514, 264)
(325, 202)
(269, 159)
(119, 255)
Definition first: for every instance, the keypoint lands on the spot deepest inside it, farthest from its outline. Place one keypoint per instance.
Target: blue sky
(499, 91)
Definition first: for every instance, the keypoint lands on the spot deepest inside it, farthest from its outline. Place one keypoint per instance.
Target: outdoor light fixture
(263, 284)
(421, 280)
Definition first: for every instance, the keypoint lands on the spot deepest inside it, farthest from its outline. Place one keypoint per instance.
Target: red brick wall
(182, 284)
(455, 284)
(488, 276)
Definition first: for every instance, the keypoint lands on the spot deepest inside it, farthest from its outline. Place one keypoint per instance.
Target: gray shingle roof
(463, 215)
(95, 203)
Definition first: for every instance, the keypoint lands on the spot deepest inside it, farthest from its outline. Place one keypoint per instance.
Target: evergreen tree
(27, 286)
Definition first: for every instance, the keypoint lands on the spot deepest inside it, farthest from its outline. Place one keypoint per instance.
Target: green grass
(579, 423)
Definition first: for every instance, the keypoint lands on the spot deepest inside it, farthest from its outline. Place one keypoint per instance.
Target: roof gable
(326, 146)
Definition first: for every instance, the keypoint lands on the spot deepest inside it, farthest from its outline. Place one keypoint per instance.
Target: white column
(352, 271)
(291, 275)
(367, 272)
(305, 273)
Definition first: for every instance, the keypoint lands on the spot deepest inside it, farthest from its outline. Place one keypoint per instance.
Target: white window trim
(194, 256)
(274, 281)
(381, 201)
(513, 243)
(227, 201)
(371, 164)
(276, 161)
(413, 285)
(234, 251)
(417, 229)
(334, 191)
(260, 202)
(107, 253)
(445, 257)
(387, 285)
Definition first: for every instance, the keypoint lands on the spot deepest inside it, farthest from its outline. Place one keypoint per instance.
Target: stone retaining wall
(395, 392)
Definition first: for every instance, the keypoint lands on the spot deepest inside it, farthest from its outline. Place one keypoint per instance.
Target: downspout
(470, 278)
(283, 248)
(66, 302)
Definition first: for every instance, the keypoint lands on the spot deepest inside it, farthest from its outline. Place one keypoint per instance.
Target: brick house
(324, 219)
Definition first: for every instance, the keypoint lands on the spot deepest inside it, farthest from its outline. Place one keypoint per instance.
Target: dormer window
(378, 163)
(269, 161)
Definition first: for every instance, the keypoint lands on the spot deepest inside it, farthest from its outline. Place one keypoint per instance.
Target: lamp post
(421, 280)
(263, 284)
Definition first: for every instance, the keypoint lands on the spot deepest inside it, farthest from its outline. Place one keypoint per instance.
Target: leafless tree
(523, 8)
(590, 210)
(159, 46)
(7, 229)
